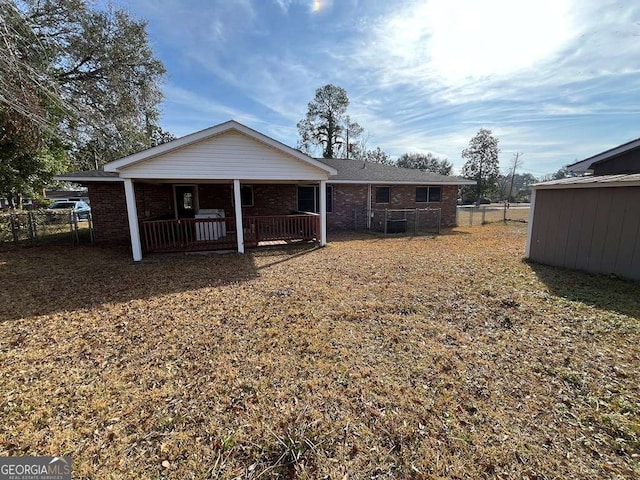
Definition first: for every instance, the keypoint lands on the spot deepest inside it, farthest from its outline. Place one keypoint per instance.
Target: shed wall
(591, 229)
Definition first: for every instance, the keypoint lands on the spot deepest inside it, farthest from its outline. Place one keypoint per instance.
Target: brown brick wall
(109, 211)
(154, 200)
(274, 199)
(268, 199)
(449, 206)
(347, 197)
(404, 196)
(216, 195)
(109, 207)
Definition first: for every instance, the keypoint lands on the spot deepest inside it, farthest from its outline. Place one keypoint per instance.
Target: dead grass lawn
(445, 357)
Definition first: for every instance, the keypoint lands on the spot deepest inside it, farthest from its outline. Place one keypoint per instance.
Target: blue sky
(556, 80)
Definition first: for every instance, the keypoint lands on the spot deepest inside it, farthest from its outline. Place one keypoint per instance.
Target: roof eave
(79, 179)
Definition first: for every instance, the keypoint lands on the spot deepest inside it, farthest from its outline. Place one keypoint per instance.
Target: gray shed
(590, 223)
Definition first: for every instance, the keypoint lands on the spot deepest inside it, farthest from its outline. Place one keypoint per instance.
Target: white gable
(229, 155)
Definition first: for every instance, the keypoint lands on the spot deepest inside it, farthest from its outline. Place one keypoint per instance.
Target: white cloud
(284, 4)
(471, 39)
(457, 52)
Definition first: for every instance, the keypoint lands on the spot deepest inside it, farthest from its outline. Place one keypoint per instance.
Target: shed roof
(359, 171)
(591, 181)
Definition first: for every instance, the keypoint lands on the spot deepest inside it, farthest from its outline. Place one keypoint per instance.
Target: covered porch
(225, 215)
(225, 187)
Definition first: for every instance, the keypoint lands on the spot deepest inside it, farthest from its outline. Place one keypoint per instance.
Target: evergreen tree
(482, 163)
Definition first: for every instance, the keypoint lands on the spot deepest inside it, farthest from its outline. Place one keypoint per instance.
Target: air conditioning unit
(210, 230)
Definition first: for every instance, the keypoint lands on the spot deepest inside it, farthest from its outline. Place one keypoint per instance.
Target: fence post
(14, 227)
(385, 222)
(32, 229)
(76, 220)
(70, 218)
(90, 223)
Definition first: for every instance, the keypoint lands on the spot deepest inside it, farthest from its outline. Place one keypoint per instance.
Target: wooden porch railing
(220, 233)
(281, 227)
(188, 234)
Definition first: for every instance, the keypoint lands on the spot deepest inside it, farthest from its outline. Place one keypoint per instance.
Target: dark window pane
(246, 195)
(329, 199)
(434, 194)
(421, 194)
(382, 194)
(306, 199)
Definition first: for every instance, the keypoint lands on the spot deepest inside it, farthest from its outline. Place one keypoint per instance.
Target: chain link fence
(408, 221)
(470, 215)
(37, 227)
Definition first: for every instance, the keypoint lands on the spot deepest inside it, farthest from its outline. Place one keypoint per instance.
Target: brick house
(232, 187)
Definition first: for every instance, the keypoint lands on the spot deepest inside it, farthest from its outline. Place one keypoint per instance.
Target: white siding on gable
(226, 156)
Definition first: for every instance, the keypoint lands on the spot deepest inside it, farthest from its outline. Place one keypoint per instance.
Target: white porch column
(323, 213)
(132, 215)
(237, 200)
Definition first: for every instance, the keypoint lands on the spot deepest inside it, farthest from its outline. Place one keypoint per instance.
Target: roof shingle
(369, 172)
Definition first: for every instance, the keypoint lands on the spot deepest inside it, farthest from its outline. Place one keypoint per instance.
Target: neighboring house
(230, 186)
(591, 222)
